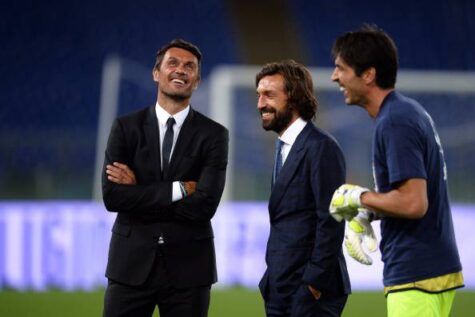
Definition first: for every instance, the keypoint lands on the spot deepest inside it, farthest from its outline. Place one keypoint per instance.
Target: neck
(294, 117)
(375, 100)
(172, 105)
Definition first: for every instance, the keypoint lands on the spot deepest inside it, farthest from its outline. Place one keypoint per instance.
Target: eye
(190, 66)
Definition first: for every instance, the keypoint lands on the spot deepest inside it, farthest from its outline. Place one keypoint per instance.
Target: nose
(334, 76)
(260, 102)
(180, 69)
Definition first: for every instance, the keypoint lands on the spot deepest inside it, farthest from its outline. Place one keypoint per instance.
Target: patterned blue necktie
(167, 144)
(278, 159)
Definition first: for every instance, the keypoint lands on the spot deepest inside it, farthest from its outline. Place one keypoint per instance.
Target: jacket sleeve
(130, 198)
(202, 204)
(327, 175)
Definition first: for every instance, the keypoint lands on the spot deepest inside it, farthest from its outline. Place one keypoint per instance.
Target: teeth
(178, 81)
(342, 88)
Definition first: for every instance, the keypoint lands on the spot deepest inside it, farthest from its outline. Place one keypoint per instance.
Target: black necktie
(167, 144)
(278, 159)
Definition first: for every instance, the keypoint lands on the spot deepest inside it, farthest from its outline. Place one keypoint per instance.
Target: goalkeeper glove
(359, 232)
(346, 201)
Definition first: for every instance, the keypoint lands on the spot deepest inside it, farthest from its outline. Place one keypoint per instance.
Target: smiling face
(276, 115)
(354, 87)
(178, 74)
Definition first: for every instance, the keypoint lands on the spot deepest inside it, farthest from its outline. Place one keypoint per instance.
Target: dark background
(52, 54)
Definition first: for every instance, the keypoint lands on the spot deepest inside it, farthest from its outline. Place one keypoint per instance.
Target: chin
(267, 126)
(179, 96)
(270, 127)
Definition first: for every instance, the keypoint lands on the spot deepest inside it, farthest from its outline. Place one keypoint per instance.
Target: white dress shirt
(162, 117)
(289, 136)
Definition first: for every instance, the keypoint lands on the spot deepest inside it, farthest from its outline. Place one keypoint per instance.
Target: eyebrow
(266, 92)
(186, 62)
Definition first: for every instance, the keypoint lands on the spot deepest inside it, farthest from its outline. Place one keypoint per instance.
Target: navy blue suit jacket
(304, 246)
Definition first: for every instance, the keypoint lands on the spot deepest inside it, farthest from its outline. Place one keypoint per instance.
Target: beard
(280, 121)
(354, 97)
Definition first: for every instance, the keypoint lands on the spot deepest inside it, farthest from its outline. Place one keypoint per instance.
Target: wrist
(357, 196)
(363, 197)
(183, 190)
(365, 214)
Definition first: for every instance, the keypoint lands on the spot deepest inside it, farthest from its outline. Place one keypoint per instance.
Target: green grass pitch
(235, 302)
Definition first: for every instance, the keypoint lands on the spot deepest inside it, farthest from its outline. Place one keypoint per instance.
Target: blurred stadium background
(69, 67)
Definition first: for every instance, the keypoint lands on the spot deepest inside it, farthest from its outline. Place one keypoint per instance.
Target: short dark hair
(193, 49)
(298, 86)
(369, 47)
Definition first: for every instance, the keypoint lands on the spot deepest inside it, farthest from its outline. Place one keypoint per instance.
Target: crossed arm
(121, 174)
(124, 192)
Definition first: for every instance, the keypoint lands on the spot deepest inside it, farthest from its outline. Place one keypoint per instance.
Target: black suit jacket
(148, 223)
(304, 246)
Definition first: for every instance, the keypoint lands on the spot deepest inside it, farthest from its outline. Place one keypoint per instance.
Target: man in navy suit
(306, 272)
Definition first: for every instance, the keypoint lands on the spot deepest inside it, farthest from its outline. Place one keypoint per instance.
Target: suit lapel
(289, 168)
(153, 139)
(187, 132)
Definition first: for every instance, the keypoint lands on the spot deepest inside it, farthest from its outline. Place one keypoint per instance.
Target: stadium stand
(52, 56)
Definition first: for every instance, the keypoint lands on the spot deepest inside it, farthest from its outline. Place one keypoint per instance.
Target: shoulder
(323, 151)
(319, 138)
(400, 110)
(208, 125)
(317, 134)
(136, 117)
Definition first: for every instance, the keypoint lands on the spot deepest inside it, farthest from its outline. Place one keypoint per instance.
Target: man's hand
(358, 232)
(346, 201)
(121, 174)
(190, 187)
(316, 293)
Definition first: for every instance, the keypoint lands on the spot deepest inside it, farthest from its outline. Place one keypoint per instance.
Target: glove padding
(358, 232)
(346, 201)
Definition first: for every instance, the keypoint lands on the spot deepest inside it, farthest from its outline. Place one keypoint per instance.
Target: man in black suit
(306, 272)
(164, 174)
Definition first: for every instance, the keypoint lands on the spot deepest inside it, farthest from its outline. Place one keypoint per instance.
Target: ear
(295, 113)
(369, 75)
(155, 73)
(197, 83)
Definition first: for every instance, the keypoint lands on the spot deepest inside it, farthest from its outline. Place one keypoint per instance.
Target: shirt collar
(293, 131)
(163, 115)
(386, 100)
